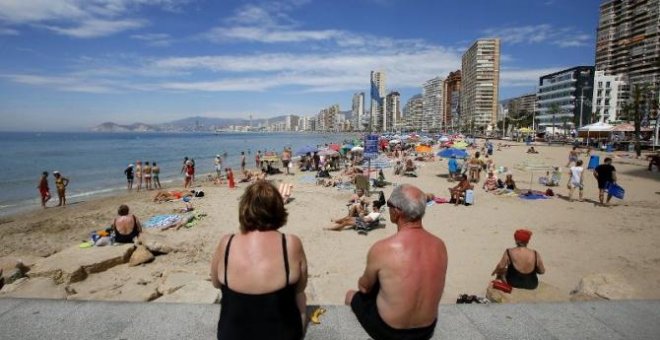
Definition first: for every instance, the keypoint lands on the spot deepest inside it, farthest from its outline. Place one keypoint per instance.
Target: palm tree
(554, 109)
(632, 111)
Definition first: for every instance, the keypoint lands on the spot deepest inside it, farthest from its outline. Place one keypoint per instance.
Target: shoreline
(574, 239)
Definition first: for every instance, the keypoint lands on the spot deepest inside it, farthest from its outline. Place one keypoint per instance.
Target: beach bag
(501, 285)
(469, 197)
(616, 190)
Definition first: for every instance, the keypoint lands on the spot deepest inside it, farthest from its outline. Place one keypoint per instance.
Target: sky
(68, 65)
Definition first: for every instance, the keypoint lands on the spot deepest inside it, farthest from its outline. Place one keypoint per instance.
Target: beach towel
(616, 190)
(532, 196)
(161, 221)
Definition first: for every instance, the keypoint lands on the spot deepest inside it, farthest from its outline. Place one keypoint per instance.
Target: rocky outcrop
(75, 263)
(543, 293)
(11, 269)
(199, 291)
(602, 286)
(160, 243)
(175, 280)
(38, 288)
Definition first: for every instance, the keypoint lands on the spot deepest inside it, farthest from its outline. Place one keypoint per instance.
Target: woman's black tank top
(272, 315)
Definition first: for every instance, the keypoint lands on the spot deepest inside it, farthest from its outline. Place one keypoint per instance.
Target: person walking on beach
(230, 178)
(572, 156)
(138, 174)
(147, 175)
(185, 165)
(257, 159)
(403, 281)
(605, 174)
(44, 191)
(61, 183)
(155, 171)
(286, 159)
(217, 163)
(129, 177)
(187, 183)
(242, 161)
(576, 180)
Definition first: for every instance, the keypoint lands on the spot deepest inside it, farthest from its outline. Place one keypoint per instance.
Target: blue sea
(95, 162)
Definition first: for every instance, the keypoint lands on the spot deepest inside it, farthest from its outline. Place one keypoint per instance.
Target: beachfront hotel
(393, 110)
(451, 98)
(358, 118)
(564, 98)
(378, 119)
(433, 105)
(480, 72)
(609, 95)
(628, 42)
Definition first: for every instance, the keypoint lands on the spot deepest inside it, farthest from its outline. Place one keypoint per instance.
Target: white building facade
(609, 95)
(358, 119)
(378, 118)
(432, 93)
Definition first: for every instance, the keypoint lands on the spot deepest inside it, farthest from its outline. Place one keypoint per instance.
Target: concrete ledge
(57, 319)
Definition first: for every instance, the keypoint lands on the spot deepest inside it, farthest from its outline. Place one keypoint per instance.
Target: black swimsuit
(519, 280)
(120, 238)
(273, 315)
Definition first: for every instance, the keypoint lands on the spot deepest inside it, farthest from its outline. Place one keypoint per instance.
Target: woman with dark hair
(262, 273)
(126, 227)
(519, 266)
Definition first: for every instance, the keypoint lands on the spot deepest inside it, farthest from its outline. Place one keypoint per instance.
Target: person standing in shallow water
(155, 170)
(129, 177)
(138, 174)
(61, 183)
(44, 191)
(401, 287)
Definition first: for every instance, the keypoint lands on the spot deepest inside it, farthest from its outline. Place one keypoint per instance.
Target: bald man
(402, 284)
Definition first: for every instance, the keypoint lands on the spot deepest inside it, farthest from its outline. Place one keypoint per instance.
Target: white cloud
(542, 33)
(97, 28)
(8, 31)
(154, 39)
(80, 18)
(67, 83)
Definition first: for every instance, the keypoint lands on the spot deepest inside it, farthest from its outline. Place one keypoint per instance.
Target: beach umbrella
(533, 165)
(327, 152)
(423, 149)
(460, 144)
(334, 146)
(453, 152)
(306, 149)
(357, 149)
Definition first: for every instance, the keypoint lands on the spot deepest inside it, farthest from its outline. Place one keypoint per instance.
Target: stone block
(38, 288)
(200, 291)
(602, 286)
(543, 293)
(160, 243)
(176, 280)
(140, 255)
(11, 269)
(75, 263)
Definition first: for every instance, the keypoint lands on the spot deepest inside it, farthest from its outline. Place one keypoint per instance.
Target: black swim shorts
(366, 311)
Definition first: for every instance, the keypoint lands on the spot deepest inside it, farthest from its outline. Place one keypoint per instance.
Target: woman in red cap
(520, 265)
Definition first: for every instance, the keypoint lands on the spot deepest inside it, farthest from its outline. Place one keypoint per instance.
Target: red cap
(522, 235)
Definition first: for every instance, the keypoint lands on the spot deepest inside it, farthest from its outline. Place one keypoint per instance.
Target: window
(600, 84)
(607, 85)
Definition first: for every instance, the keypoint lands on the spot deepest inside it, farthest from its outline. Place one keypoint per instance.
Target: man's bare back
(411, 272)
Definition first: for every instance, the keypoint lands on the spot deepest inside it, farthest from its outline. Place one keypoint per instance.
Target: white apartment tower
(480, 83)
(393, 113)
(358, 118)
(433, 104)
(378, 119)
(609, 95)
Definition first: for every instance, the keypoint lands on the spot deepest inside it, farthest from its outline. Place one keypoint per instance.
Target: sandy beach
(574, 238)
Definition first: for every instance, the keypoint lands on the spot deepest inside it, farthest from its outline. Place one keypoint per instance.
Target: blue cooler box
(469, 197)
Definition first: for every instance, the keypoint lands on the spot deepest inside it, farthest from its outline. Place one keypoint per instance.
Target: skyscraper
(628, 41)
(378, 119)
(358, 120)
(564, 97)
(414, 112)
(433, 104)
(393, 113)
(480, 72)
(451, 100)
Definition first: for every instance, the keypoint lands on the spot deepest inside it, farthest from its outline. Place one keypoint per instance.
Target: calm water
(95, 162)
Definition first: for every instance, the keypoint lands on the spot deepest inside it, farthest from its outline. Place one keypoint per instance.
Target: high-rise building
(564, 97)
(628, 41)
(413, 113)
(393, 113)
(521, 106)
(358, 119)
(433, 104)
(378, 119)
(451, 100)
(480, 73)
(609, 95)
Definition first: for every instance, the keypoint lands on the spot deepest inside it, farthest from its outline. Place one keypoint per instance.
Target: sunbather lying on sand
(166, 196)
(350, 221)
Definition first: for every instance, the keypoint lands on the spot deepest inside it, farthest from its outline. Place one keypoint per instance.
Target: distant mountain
(136, 127)
(187, 124)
